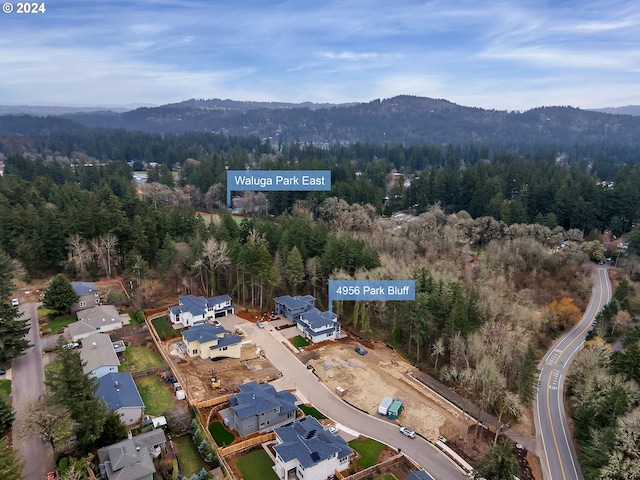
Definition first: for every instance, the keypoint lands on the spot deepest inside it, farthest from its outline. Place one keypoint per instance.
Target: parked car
(360, 351)
(333, 429)
(15, 302)
(50, 476)
(407, 432)
(2, 371)
(260, 325)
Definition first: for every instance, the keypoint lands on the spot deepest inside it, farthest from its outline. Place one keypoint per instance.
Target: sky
(506, 55)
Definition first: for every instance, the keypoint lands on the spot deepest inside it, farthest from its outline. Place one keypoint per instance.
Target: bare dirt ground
(383, 373)
(230, 372)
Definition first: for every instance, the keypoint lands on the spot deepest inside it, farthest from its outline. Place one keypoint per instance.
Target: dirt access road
(383, 373)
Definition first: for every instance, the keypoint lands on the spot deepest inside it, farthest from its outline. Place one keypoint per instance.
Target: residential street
(28, 384)
(555, 447)
(296, 375)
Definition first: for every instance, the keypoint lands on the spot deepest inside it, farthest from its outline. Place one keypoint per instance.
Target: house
(418, 475)
(100, 319)
(132, 459)
(211, 341)
(306, 450)
(98, 355)
(315, 325)
(194, 310)
(88, 296)
(120, 393)
(259, 407)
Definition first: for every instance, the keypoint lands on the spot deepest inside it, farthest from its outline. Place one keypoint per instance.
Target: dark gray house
(260, 408)
(132, 459)
(88, 296)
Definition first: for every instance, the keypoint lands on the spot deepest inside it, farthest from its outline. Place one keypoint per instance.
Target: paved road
(28, 384)
(555, 445)
(296, 375)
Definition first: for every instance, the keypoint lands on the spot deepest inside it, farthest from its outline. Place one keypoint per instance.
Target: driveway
(27, 385)
(296, 375)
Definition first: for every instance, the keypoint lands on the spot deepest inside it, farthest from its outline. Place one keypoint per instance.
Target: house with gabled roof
(193, 310)
(88, 296)
(211, 341)
(260, 408)
(100, 319)
(121, 395)
(98, 355)
(306, 450)
(315, 325)
(132, 459)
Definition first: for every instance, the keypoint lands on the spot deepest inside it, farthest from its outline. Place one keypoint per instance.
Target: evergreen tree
(7, 415)
(60, 295)
(10, 464)
(114, 430)
(294, 270)
(499, 464)
(12, 333)
(73, 389)
(528, 376)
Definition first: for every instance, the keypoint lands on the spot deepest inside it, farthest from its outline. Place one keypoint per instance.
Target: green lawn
(60, 322)
(158, 400)
(221, 435)
(139, 358)
(299, 341)
(5, 387)
(163, 328)
(369, 451)
(256, 465)
(189, 459)
(312, 411)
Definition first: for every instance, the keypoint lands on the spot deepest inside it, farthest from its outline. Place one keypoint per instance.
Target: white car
(15, 302)
(407, 432)
(333, 429)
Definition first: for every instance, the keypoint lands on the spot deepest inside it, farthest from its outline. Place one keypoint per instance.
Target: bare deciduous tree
(52, 424)
(80, 253)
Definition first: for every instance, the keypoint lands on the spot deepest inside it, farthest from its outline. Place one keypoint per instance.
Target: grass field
(189, 459)
(369, 451)
(155, 396)
(221, 435)
(139, 358)
(163, 328)
(315, 413)
(5, 387)
(299, 341)
(256, 465)
(60, 322)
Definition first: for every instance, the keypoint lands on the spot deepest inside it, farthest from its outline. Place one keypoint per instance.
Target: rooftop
(97, 351)
(118, 390)
(256, 398)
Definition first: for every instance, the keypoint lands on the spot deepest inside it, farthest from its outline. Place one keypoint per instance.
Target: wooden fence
(245, 444)
(373, 469)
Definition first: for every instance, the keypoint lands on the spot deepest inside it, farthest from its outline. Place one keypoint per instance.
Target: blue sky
(510, 55)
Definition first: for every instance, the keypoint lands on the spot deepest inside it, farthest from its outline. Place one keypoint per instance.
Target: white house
(306, 450)
(98, 355)
(100, 319)
(315, 325)
(194, 310)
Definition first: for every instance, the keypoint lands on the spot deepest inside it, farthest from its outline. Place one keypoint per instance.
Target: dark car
(360, 351)
(2, 372)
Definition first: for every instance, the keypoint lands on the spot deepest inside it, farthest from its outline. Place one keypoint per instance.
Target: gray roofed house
(305, 449)
(418, 475)
(98, 355)
(193, 310)
(315, 325)
(120, 393)
(132, 459)
(88, 296)
(100, 319)
(259, 407)
(211, 341)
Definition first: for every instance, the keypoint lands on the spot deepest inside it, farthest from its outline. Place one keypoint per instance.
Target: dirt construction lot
(382, 373)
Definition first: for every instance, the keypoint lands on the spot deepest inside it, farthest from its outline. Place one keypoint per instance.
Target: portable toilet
(383, 409)
(395, 409)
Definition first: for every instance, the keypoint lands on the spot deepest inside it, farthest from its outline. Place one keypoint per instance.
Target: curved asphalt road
(296, 375)
(555, 445)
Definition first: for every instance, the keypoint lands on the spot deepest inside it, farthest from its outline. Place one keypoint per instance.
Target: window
(194, 351)
(82, 304)
(344, 460)
(223, 349)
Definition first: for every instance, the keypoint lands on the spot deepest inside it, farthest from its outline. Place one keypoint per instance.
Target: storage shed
(383, 409)
(395, 409)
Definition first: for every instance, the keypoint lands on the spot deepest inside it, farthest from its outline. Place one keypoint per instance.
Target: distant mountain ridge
(403, 119)
(626, 110)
